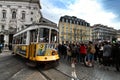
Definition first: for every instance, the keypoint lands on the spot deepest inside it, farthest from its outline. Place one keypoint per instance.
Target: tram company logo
(41, 46)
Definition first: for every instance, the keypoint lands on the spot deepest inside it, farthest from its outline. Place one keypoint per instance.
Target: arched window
(31, 19)
(4, 14)
(22, 27)
(23, 15)
(3, 27)
(13, 15)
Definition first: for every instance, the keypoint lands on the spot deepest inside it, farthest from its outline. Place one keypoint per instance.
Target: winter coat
(107, 50)
(83, 49)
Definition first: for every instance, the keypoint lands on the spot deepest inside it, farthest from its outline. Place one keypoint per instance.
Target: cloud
(89, 10)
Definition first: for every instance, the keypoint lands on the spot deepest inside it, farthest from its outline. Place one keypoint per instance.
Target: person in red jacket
(83, 52)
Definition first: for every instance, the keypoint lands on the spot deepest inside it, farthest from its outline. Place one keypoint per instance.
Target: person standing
(116, 55)
(90, 54)
(64, 51)
(100, 53)
(69, 53)
(74, 53)
(59, 50)
(106, 54)
(83, 52)
(96, 53)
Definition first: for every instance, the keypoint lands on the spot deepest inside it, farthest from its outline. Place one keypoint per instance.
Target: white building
(103, 33)
(15, 14)
(118, 35)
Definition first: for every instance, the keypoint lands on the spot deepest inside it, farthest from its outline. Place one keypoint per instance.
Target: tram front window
(53, 36)
(44, 35)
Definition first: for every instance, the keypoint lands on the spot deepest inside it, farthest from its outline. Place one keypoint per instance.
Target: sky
(104, 12)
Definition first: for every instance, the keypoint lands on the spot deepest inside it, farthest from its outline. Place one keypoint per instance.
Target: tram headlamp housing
(53, 53)
(45, 58)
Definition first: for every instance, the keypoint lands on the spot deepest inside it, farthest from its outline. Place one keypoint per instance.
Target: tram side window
(33, 35)
(24, 38)
(53, 36)
(44, 35)
(21, 38)
(17, 41)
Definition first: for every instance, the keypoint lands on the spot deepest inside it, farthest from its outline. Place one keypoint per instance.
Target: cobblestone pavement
(14, 68)
(5, 53)
(98, 72)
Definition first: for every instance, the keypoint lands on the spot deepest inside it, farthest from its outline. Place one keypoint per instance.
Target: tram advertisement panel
(45, 49)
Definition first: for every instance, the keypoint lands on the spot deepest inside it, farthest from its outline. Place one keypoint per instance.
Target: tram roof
(43, 23)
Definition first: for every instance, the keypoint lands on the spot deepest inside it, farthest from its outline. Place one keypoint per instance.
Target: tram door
(33, 40)
(1, 38)
(32, 51)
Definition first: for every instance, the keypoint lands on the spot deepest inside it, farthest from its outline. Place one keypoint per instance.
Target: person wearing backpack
(91, 50)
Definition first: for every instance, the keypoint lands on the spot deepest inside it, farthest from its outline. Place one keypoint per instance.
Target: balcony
(7, 32)
(4, 32)
(12, 30)
(3, 19)
(13, 21)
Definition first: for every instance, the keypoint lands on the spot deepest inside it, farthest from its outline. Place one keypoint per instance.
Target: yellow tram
(37, 43)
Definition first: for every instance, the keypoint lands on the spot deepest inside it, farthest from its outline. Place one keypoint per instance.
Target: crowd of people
(105, 53)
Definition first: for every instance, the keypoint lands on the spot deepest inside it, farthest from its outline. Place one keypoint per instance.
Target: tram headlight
(45, 58)
(53, 53)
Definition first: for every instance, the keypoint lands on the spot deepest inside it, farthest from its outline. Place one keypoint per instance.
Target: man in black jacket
(116, 55)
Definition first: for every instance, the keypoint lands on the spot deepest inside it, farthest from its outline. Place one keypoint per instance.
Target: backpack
(92, 50)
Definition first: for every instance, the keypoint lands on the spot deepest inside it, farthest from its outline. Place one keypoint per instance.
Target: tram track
(48, 77)
(66, 74)
(9, 65)
(16, 64)
(44, 75)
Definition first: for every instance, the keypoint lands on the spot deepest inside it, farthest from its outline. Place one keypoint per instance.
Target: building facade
(103, 33)
(15, 14)
(73, 29)
(118, 35)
